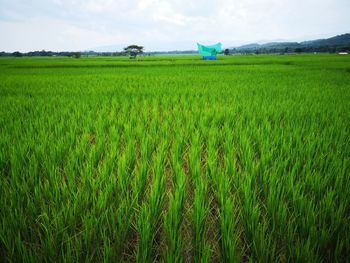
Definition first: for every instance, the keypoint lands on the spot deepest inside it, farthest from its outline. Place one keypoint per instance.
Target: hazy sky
(164, 25)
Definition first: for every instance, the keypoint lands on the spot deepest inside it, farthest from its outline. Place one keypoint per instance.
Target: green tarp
(209, 50)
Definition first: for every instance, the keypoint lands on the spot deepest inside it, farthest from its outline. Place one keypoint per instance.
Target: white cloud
(161, 24)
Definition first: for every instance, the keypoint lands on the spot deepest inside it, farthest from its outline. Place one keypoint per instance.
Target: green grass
(175, 159)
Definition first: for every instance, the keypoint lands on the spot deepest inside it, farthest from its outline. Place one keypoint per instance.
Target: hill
(333, 44)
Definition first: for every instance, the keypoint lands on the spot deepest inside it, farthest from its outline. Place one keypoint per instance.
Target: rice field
(175, 159)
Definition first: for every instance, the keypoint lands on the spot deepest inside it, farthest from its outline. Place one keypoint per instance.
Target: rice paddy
(175, 159)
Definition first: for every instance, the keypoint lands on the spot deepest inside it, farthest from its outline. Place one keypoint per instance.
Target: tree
(133, 50)
(76, 55)
(227, 52)
(17, 54)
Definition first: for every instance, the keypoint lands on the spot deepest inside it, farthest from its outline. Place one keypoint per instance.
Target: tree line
(134, 50)
(44, 53)
(286, 49)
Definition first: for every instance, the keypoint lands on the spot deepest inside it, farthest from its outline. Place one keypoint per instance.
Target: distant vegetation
(44, 53)
(335, 44)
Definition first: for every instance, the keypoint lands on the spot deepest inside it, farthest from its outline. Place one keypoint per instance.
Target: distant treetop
(133, 50)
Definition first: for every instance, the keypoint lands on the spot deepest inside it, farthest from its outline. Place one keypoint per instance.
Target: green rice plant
(228, 210)
(173, 218)
(261, 245)
(200, 204)
(151, 210)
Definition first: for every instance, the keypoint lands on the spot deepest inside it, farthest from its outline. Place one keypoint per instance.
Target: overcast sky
(164, 24)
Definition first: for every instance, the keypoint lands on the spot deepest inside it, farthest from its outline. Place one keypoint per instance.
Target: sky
(78, 25)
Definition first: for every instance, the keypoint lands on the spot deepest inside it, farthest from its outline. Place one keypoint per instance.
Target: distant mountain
(337, 40)
(333, 44)
(279, 44)
(250, 46)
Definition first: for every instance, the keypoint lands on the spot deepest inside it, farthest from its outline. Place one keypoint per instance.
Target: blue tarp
(209, 57)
